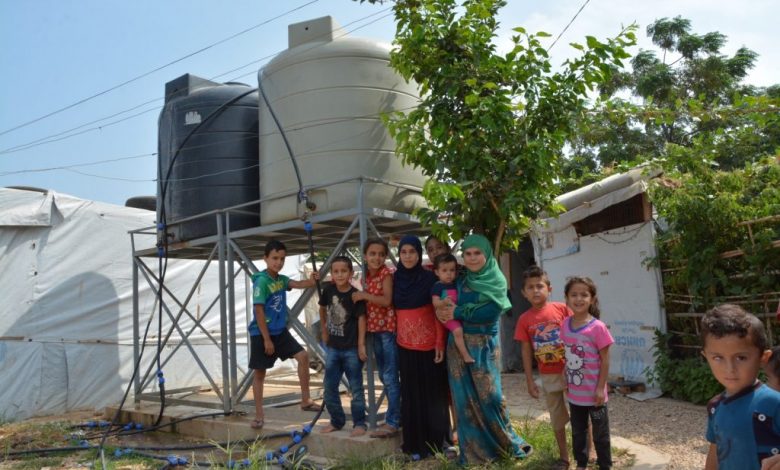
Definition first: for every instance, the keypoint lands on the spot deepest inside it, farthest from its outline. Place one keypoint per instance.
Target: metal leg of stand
(223, 316)
(136, 336)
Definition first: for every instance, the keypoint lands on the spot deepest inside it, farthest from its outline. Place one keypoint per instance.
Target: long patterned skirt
(484, 430)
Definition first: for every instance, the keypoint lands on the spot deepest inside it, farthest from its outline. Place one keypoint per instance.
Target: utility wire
(313, 47)
(52, 138)
(44, 141)
(222, 142)
(41, 140)
(138, 77)
(77, 165)
(567, 26)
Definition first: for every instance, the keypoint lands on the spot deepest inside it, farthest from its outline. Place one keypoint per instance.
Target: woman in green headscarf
(484, 430)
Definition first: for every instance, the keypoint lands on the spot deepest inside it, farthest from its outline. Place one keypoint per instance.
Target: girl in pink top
(587, 341)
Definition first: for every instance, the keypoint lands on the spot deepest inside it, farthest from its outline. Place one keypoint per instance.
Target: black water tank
(148, 203)
(217, 166)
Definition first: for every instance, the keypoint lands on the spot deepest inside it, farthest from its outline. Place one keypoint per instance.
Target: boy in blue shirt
(268, 334)
(743, 425)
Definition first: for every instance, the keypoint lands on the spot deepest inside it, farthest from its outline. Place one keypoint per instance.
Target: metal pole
(232, 319)
(136, 329)
(363, 230)
(223, 316)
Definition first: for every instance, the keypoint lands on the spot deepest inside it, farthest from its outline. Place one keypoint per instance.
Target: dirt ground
(34, 433)
(673, 427)
(670, 426)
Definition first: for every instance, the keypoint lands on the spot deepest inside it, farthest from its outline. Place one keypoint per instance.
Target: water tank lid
(323, 29)
(185, 85)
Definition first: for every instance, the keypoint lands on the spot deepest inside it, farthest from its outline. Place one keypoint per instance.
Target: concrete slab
(337, 445)
(646, 458)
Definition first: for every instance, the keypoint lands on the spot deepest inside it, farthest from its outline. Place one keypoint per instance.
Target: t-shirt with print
(542, 328)
(379, 318)
(343, 316)
(445, 291)
(583, 360)
(271, 293)
(745, 427)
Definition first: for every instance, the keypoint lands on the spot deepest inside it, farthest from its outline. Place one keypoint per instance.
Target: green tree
(686, 93)
(490, 127)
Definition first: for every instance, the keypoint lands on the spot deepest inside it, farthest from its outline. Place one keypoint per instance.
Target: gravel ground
(670, 426)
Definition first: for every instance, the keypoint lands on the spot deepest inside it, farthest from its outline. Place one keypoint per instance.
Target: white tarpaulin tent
(66, 329)
(629, 288)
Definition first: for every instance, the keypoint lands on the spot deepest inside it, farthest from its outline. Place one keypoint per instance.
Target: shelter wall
(629, 289)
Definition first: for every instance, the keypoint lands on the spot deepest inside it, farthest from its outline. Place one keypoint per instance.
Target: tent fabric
(588, 208)
(594, 198)
(630, 290)
(26, 208)
(66, 319)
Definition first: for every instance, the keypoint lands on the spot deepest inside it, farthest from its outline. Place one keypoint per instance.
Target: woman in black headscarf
(424, 403)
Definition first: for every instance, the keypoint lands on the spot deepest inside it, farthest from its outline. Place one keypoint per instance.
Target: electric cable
(162, 251)
(145, 74)
(50, 138)
(129, 384)
(567, 26)
(162, 266)
(310, 48)
(201, 146)
(302, 194)
(76, 165)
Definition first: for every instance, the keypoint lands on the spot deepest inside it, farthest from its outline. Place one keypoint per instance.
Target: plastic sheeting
(66, 334)
(629, 289)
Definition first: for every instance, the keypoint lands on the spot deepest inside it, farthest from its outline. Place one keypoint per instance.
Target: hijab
(489, 281)
(412, 286)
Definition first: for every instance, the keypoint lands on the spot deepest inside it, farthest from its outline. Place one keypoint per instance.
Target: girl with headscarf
(424, 400)
(484, 430)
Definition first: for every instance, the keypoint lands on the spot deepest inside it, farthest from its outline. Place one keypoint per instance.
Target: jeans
(579, 434)
(337, 363)
(386, 354)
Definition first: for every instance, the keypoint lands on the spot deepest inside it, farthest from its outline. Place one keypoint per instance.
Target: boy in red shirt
(539, 333)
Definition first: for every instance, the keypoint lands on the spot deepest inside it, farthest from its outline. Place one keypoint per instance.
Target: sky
(55, 54)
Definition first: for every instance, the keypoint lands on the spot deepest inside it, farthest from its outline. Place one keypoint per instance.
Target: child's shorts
(554, 386)
(285, 347)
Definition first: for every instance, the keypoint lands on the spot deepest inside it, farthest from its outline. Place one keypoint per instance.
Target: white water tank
(329, 91)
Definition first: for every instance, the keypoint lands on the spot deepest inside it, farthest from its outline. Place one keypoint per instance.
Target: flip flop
(312, 407)
(257, 423)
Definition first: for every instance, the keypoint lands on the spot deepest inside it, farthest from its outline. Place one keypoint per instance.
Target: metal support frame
(231, 249)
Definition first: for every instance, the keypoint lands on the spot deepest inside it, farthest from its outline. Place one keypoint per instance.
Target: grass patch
(26, 436)
(538, 433)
